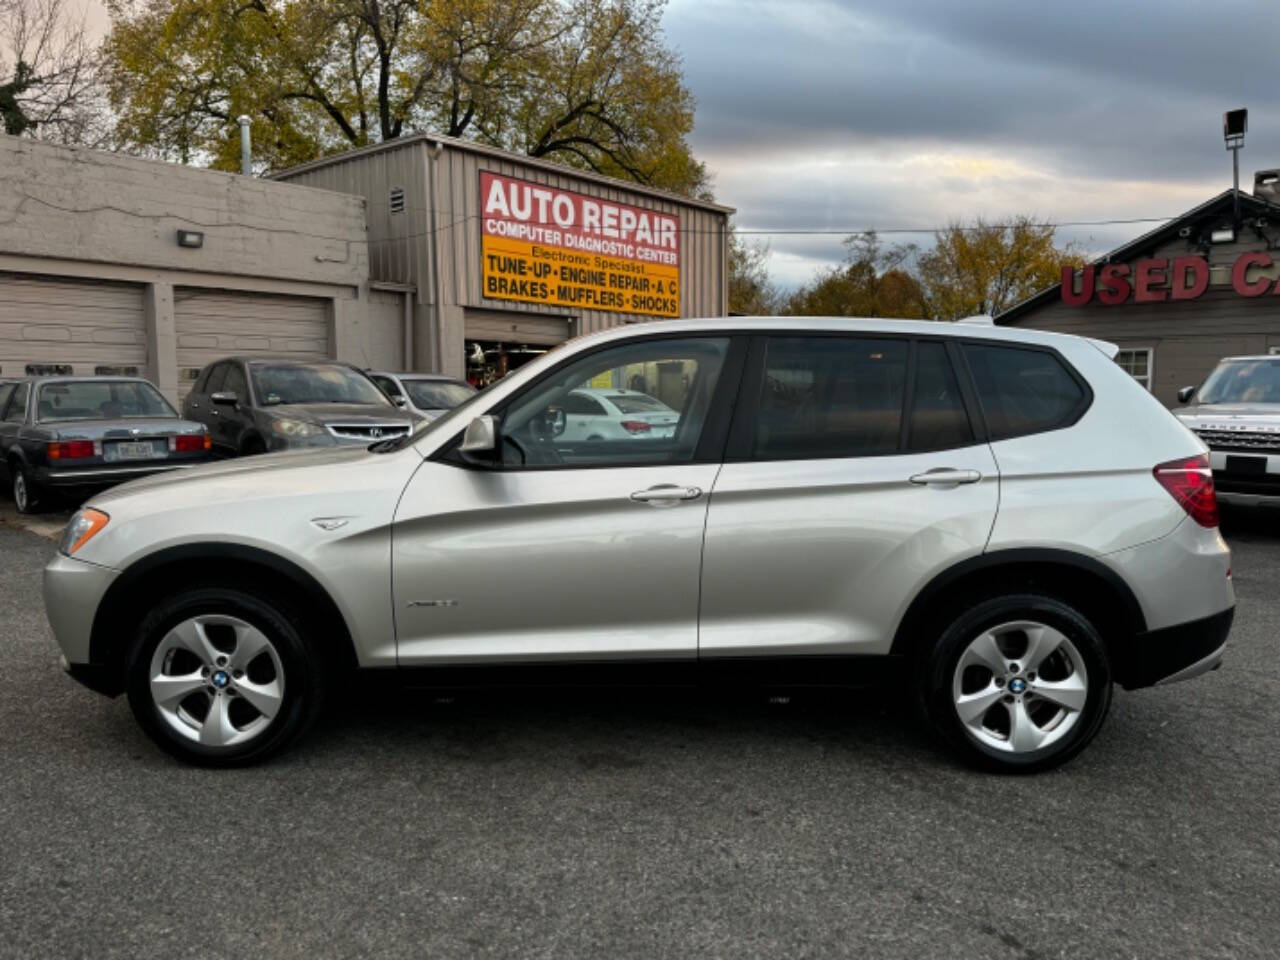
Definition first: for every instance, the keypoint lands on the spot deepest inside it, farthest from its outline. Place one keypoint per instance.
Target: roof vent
(1266, 186)
(397, 199)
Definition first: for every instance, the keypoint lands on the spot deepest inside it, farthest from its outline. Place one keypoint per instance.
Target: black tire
(26, 493)
(252, 447)
(305, 672)
(938, 664)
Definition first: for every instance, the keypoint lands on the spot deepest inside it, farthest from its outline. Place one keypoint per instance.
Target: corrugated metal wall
(400, 243)
(398, 248)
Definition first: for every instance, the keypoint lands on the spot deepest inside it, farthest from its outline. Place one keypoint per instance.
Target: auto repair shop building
(112, 264)
(1203, 286)
(505, 255)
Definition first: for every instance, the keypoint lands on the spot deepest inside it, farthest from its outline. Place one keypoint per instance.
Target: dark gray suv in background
(253, 405)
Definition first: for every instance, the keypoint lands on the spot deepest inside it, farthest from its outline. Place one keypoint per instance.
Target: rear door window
(938, 416)
(1024, 390)
(830, 397)
(17, 411)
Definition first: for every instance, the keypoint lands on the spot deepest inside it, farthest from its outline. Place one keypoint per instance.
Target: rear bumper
(105, 476)
(1179, 652)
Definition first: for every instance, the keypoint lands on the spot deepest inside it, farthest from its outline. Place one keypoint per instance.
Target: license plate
(134, 450)
(1254, 465)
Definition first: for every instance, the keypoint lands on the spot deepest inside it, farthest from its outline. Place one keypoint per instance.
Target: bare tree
(50, 81)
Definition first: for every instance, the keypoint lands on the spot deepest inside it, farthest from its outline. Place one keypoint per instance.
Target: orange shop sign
(539, 244)
(1157, 280)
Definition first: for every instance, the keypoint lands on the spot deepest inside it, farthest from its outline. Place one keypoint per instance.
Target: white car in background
(611, 413)
(430, 394)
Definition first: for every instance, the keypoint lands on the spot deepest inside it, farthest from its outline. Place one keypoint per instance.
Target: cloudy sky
(852, 114)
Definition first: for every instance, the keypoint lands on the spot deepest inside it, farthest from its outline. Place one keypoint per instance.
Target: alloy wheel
(1020, 686)
(217, 680)
(20, 493)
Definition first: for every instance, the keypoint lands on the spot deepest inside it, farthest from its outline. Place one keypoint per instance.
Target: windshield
(101, 400)
(437, 394)
(1243, 381)
(276, 383)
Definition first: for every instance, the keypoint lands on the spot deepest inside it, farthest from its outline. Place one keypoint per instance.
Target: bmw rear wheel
(1019, 683)
(220, 677)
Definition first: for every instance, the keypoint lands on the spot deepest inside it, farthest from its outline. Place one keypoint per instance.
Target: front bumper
(1179, 652)
(73, 590)
(1257, 488)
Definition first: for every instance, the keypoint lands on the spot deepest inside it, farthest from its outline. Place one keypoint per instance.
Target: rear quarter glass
(1089, 486)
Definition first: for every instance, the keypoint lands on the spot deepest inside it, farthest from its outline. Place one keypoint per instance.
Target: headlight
(84, 526)
(295, 428)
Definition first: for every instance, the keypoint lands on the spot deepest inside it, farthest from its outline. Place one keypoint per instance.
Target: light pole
(1234, 125)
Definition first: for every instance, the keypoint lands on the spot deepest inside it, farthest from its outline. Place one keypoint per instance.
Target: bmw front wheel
(220, 677)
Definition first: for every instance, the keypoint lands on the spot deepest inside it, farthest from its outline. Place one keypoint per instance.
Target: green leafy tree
(986, 268)
(588, 83)
(751, 291)
(872, 282)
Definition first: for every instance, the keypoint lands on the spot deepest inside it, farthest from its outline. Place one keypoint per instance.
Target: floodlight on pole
(1234, 125)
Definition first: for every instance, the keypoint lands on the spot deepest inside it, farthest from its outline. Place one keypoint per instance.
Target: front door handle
(666, 494)
(946, 477)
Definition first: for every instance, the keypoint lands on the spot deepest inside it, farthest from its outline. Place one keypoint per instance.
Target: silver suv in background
(1001, 519)
(1236, 412)
(429, 394)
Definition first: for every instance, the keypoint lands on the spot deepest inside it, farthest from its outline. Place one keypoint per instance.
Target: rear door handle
(946, 477)
(666, 494)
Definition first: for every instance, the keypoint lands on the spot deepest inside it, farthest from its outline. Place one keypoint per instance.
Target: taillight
(636, 426)
(1190, 482)
(70, 450)
(190, 443)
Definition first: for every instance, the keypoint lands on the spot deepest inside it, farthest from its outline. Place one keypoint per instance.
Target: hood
(339, 412)
(287, 468)
(1232, 416)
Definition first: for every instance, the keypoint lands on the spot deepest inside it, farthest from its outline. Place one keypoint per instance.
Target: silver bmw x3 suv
(1000, 519)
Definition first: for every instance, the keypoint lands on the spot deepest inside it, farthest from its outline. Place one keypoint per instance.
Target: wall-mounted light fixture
(1222, 235)
(193, 239)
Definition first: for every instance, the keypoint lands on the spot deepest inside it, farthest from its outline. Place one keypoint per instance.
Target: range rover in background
(255, 405)
(430, 394)
(80, 434)
(1236, 412)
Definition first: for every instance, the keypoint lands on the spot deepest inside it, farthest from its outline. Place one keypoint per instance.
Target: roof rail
(978, 320)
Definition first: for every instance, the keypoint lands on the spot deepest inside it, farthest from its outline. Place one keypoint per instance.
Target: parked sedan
(430, 394)
(610, 413)
(255, 405)
(84, 433)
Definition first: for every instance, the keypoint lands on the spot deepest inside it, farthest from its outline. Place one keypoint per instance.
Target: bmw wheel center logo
(220, 679)
(1015, 686)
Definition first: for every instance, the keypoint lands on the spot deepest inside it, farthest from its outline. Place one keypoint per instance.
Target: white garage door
(73, 326)
(212, 324)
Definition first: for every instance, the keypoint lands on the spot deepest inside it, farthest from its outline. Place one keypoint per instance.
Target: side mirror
(225, 397)
(1185, 394)
(400, 401)
(480, 442)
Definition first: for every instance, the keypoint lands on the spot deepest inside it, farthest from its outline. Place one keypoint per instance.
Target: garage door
(72, 326)
(520, 328)
(211, 324)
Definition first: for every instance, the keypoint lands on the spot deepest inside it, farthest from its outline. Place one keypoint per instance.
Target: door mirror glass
(481, 436)
(1185, 394)
(225, 397)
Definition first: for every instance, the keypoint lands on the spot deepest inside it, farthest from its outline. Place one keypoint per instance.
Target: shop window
(48, 369)
(1137, 363)
(115, 371)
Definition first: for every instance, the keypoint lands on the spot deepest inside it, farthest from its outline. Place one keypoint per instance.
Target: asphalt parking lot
(644, 826)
